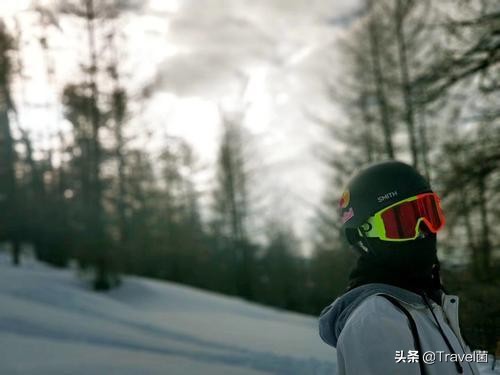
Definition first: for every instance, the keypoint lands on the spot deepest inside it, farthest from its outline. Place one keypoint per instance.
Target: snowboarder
(395, 317)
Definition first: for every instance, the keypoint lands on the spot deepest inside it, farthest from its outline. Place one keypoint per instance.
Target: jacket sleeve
(370, 339)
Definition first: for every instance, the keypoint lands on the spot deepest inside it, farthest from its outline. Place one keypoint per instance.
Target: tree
(231, 208)
(179, 219)
(10, 220)
(281, 275)
(468, 68)
(88, 111)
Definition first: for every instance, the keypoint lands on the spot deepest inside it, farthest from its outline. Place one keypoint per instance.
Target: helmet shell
(377, 186)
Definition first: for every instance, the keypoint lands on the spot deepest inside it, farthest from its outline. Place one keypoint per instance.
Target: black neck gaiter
(411, 265)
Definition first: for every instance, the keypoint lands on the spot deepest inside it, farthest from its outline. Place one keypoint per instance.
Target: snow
(486, 368)
(51, 323)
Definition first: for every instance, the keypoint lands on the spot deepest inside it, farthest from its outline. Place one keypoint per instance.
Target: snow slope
(50, 323)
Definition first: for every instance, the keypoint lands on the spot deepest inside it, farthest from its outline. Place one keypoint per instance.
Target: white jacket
(369, 326)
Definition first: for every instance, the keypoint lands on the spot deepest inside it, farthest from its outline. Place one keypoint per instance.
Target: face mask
(409, 257)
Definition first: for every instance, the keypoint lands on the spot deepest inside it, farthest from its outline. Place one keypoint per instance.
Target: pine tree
(10, 219)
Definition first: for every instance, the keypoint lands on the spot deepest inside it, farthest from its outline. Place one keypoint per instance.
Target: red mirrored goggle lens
(401, 220)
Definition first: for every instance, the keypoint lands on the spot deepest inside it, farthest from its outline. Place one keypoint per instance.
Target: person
(395, 310)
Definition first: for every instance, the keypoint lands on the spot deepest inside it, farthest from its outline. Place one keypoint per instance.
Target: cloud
(284, 48)
(218, 38)
(214, 50)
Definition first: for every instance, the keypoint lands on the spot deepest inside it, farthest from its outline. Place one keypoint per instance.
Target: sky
(262, 60)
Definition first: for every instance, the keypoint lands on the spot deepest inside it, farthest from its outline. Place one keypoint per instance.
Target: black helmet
(375, 187)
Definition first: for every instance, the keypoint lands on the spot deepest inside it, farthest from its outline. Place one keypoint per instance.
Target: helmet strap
(362, 245)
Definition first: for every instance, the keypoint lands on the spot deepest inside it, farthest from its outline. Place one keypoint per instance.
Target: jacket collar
(334, 317)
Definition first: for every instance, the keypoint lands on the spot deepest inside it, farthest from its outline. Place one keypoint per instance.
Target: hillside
(50, 323)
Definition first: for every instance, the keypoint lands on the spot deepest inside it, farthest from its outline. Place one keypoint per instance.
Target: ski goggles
(400, 221)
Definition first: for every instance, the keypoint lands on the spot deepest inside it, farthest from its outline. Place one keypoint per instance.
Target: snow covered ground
(50, 323)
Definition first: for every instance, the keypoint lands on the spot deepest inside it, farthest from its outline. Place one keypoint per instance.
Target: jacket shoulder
(372, 335)
(374, 315)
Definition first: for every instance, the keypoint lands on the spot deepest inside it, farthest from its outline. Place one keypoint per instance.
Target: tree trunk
(368, 136)
(471, 243)
(95, 225)
(405, 81)
(424, 149)
(385, 119)
(485, 244)
(16, 252)
(9, 220)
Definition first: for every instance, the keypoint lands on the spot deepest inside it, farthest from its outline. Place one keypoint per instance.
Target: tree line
(97, 199)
